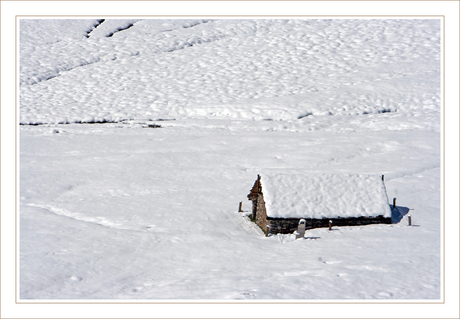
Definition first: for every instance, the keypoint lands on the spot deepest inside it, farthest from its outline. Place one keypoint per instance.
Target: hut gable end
(256, 189)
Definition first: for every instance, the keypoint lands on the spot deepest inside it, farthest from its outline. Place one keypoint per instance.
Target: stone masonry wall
(289, 225)
(261, 213)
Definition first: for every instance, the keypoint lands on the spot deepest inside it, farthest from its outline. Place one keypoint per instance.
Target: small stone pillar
(301, 229)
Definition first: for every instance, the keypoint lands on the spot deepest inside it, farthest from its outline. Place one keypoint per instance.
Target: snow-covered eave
(336, 217)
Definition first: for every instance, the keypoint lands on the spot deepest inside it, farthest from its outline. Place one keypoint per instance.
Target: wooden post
(410, 220)
(330, 224)
(240, 208)
(394, 203)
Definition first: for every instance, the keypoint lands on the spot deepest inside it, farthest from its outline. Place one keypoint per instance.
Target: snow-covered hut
(280, 201)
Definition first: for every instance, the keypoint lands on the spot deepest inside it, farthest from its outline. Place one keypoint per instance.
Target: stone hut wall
(289, 225)
(283, 225)
(260, 215)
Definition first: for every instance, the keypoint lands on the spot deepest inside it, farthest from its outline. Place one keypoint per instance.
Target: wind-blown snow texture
(324, 195)
(144, 204)
(244, 69)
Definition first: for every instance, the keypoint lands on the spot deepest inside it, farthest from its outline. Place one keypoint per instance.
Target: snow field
(242, 69)
(114, 211)
(122, 210)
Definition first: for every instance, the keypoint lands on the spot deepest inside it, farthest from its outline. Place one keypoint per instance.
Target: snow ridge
(101, 221)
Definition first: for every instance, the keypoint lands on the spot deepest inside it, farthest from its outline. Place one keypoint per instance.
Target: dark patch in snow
(119, 30)
(193, 41)
(61, 68)
(380, 111)
(388, 111)
(104, 121)
(33, 124)
(69, 67)
(100, 21)
(398, 213)
(191, 25)
(75, 122)
(304, 115)
(196, 23)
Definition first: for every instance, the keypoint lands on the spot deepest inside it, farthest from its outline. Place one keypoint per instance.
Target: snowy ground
(120, 210)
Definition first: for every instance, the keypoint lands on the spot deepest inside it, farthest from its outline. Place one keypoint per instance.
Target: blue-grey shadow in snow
(398, 213)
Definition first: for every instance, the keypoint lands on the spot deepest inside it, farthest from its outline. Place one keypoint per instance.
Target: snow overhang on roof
(324, 196)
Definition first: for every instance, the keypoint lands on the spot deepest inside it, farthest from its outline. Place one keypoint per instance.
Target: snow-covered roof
(324, 195)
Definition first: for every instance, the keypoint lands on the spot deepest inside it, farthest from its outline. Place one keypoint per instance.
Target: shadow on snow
(398, 213)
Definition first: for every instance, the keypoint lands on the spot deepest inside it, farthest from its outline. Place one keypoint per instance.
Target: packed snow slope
(245, 69)
(142, 203)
